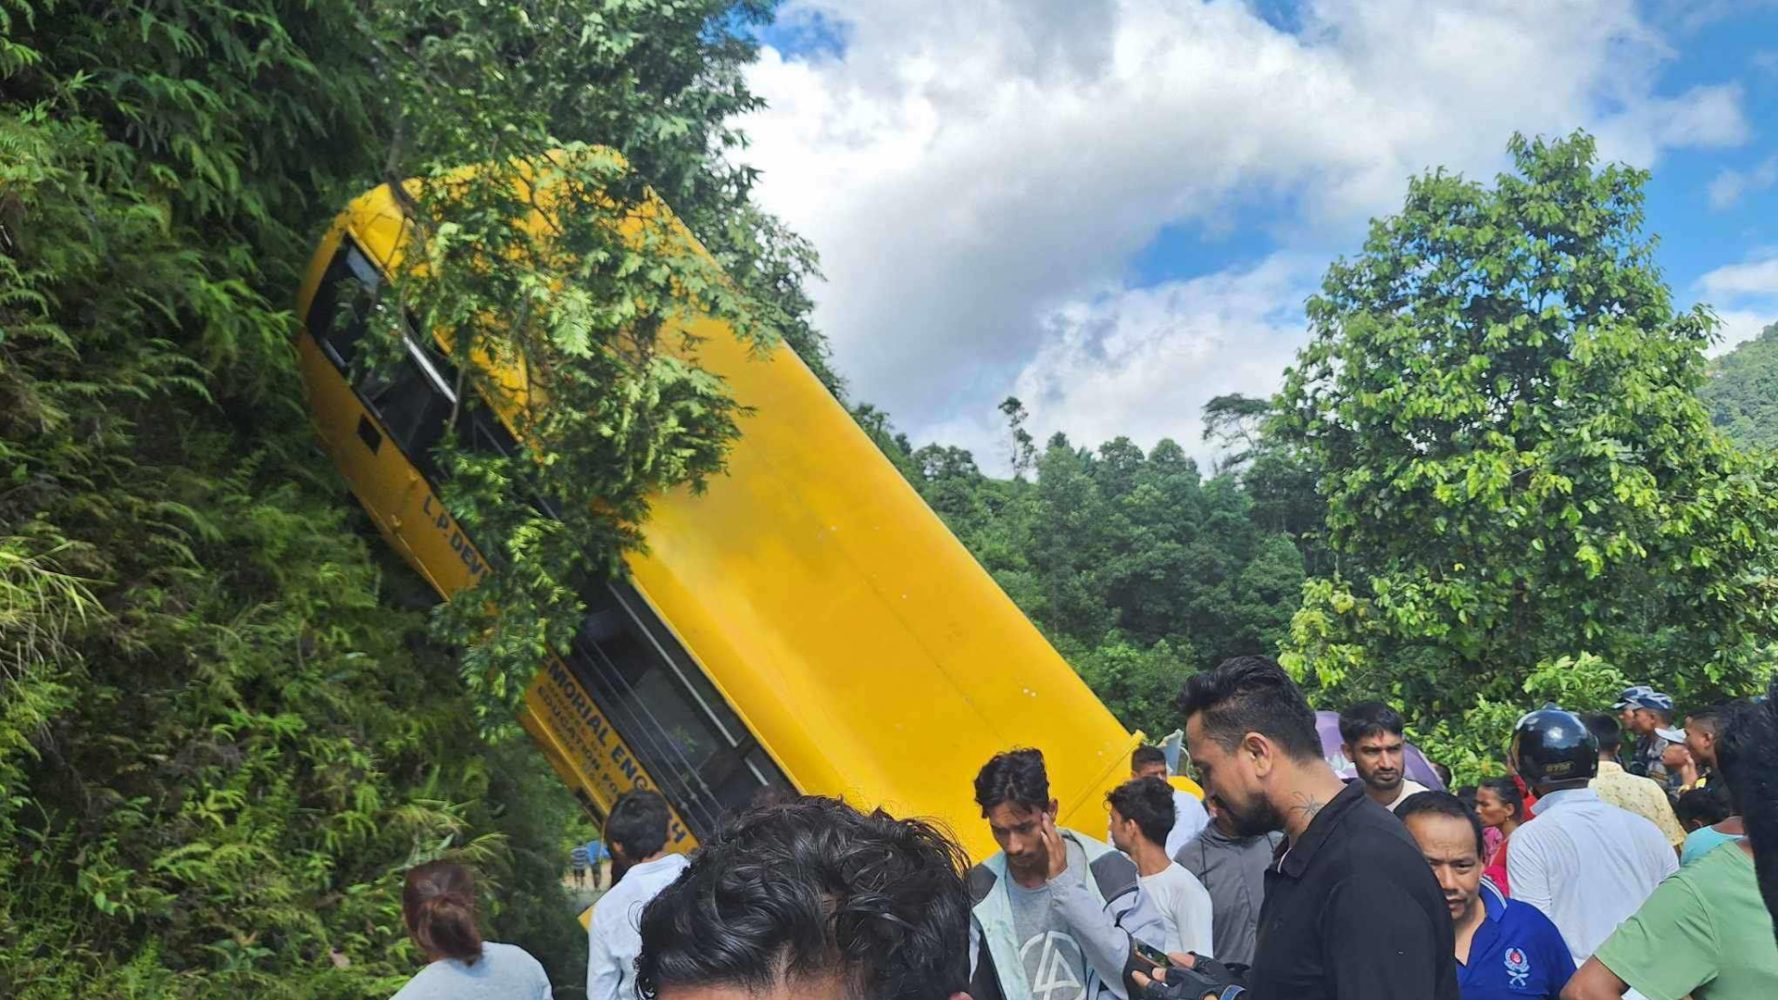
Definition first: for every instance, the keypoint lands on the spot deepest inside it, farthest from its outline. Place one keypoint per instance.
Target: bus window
(353, 278)
(683, 732)
(480, 431)
(414, 402)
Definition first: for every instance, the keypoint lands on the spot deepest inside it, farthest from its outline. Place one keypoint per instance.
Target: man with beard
(1351, 910)
(1372, 734)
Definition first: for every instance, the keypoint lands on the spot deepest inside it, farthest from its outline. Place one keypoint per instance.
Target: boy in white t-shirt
(1142, 814)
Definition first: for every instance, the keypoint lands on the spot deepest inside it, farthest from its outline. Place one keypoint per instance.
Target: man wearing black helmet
(1587, 865)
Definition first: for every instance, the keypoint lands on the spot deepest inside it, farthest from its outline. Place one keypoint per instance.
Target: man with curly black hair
(810, 898)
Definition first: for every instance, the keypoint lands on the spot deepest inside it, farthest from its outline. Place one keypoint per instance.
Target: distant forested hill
(1743, 391)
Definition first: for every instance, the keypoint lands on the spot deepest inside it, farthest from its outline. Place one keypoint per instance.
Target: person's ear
(1260, 751)
(1054, 808)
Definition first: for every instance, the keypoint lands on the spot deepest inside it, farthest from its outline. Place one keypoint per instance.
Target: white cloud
(978, 176)
(1755, 277)
(1729, 186)
(1142, 362)
(1745, 296)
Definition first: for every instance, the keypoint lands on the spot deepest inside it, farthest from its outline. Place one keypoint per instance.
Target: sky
(1114, 209)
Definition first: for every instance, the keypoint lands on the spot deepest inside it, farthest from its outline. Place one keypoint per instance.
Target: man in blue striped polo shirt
(1505, 950)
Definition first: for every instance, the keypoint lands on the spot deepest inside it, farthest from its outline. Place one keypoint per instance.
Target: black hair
(1708, 719)
(1148, 801)
(1143, 756)
(1443, 772)
(1252, 694)
(1737, 724)
(1016, 776)
(1705, 806)
(1467, 794)
(1507, 790)
(1368, 718)
(1757, 746)
(638, 823)
(1607, 730)
(810, 889)
(1443, 804)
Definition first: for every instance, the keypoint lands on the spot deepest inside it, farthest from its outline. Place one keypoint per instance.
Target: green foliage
(1498, 401)
(221, 739)
(1473, 744)
(1742, 392)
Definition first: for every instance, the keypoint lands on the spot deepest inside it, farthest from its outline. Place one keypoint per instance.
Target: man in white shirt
(1372, 734)
(1141, 818)
(1586, 864)
(1190, 818)
(636, 832)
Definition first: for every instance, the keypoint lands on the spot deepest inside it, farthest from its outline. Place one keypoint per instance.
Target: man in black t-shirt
(1351, 911)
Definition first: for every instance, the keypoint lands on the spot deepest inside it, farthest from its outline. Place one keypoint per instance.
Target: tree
(1499, 401)
(1237, 424)
(1742, 392)
(221, 738)
(1278, 479)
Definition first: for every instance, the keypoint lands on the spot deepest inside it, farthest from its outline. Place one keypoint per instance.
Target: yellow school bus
(805, 622)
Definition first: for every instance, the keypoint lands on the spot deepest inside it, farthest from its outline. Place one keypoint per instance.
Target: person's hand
(1157, 987)
(1055, 846)
(1193, 977)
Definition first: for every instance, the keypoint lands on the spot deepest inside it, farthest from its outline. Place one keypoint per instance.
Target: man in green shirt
(1705, 931)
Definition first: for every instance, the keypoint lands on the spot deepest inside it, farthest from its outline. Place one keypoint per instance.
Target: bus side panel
(377, 477)
(862, 643)
(576, 734)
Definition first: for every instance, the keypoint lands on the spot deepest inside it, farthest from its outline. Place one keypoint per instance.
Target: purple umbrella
(1414, 763)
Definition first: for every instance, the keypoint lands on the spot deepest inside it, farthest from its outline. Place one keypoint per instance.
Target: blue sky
(1113, 208)
(1697, 236)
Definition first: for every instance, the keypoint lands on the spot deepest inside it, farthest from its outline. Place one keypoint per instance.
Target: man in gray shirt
(1056, 914)
(1233, 870)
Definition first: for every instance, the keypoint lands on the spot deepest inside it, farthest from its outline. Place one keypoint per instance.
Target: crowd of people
(1617, 856)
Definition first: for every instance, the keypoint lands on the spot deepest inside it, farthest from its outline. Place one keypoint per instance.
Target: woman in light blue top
(438, 903)
(1705, 839)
